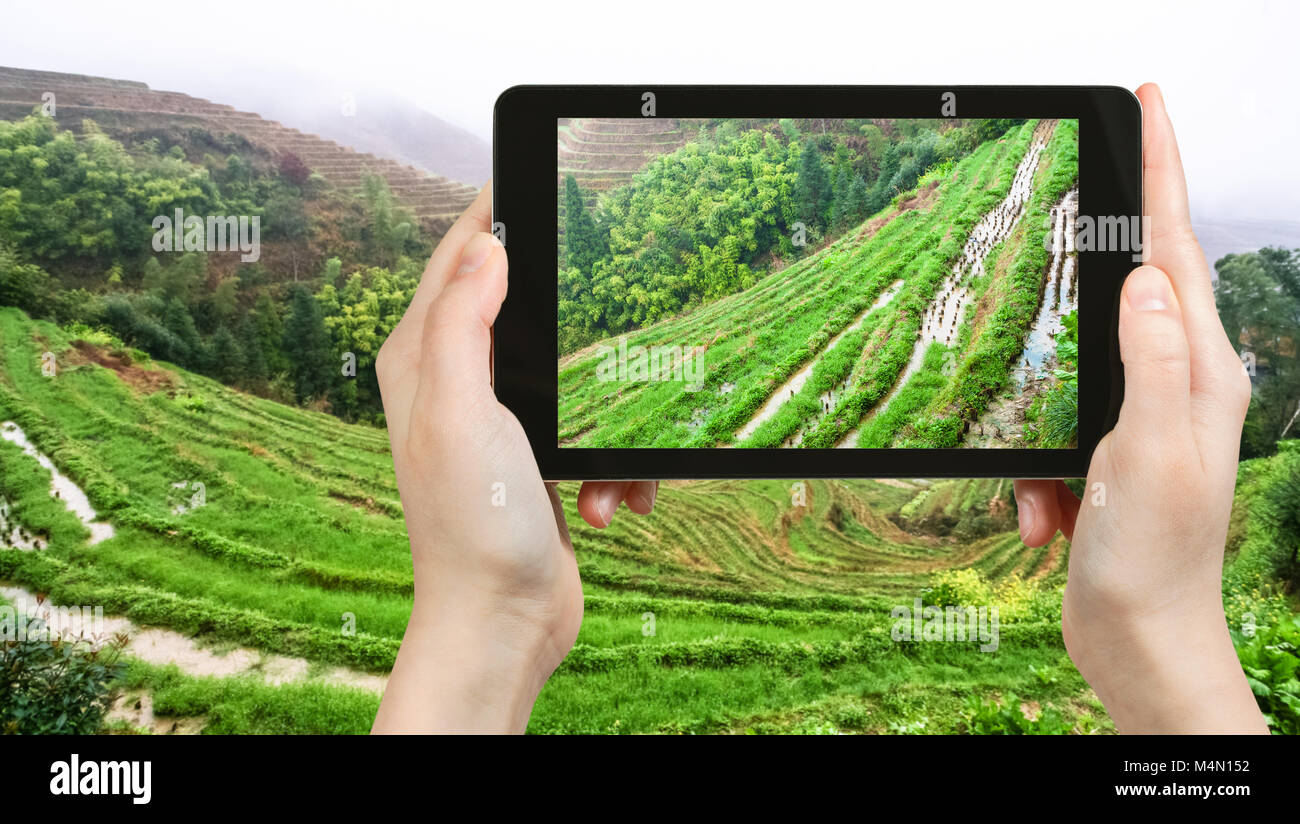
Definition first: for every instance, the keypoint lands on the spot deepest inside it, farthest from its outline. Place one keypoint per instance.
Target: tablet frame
(525, 211)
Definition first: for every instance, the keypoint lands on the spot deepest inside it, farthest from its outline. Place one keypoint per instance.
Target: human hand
(1142, 616)
(497, 601)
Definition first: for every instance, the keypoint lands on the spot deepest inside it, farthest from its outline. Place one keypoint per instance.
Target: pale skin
(498, 601)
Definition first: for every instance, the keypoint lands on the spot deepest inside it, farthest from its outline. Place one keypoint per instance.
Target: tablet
(814, 281)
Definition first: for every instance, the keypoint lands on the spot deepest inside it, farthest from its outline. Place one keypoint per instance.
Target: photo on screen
(817, 283)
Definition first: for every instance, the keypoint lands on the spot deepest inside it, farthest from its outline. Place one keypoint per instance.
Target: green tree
(1258, 296)
(24, 285)
(583, 242)
(812, 191)
(228, 359)
(307, 347)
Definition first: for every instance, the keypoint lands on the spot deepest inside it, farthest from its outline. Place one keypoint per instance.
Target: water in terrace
(61, 486)
(1003, 422)
(792, 386)
(1059, 294)
(942, 318)
(831, 397)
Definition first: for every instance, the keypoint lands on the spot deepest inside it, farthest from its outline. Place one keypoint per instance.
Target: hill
(299, 525)
(126, 109)
(737, 606)
(934, 322)
(377, 122)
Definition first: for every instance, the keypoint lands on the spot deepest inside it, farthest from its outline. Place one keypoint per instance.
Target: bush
(1007, 718)
(1270, 657)
(56, 686)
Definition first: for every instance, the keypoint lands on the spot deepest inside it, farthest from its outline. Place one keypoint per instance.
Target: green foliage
(71, 205)
(22, 284)
(1258, 297)
(1009, 718)
(55, 686)
(307, 346)
(1270, 657)
(584, 243)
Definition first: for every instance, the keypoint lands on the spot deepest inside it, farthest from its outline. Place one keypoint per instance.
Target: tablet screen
(817, 283)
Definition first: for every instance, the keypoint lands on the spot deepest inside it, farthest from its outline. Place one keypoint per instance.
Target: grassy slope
(766, 615)
(757, 339)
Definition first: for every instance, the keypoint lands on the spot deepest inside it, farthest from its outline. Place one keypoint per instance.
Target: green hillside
(766, 614)
(745, 606)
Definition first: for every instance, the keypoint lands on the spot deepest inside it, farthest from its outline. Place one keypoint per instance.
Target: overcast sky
(1228, 69)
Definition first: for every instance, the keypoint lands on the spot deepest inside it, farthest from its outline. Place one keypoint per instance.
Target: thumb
(456, 343)
(1157, 364)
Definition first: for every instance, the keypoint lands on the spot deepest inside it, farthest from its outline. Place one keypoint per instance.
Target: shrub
(56, 686)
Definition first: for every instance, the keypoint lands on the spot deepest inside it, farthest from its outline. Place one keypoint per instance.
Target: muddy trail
(1003, 423)
(149, 644)
(163, 647)
(61, 487)
(796, 382)
(942, 319)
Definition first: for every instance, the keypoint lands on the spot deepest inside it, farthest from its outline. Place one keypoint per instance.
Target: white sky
(1228, 69)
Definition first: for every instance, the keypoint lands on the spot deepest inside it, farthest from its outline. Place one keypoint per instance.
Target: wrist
(463, 668)
(1175, 672)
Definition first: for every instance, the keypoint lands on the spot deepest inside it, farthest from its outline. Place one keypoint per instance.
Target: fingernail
(476, 252)
(645, 498)
(1148, 290)
(1028, 518)
(607, 505)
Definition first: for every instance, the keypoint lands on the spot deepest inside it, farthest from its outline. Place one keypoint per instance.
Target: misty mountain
(1221, 237)
(372, 121)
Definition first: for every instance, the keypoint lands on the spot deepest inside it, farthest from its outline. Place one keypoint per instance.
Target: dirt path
(161, 647)
(61, 486)
(1003, 423)
(792, 386)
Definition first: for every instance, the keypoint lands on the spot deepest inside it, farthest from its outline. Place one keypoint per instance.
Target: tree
(227, 356)
(307, 346)
(841, 207)
(1258, 296)
(583, 242)
(812, 190)
(24, 285)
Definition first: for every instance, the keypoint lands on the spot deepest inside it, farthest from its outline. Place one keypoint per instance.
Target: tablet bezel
(525, 346)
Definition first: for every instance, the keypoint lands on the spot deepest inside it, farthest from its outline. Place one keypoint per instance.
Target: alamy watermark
(26, 620)
(950, 623)
(651, 363)
(215, 233)
(1105, 233)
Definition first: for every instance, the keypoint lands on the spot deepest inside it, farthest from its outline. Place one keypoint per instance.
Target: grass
(760, 607)
(758, 339)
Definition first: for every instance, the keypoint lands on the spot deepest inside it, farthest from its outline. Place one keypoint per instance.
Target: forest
(302, 324)
(713, 217)
(935, 310)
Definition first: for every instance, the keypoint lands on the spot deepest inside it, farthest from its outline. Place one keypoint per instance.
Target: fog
(1227, 69)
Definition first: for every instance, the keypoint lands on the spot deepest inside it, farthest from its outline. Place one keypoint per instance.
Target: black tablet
(802, 281)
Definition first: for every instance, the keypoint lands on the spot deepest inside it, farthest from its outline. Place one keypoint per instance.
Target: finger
(557, 506)
(599, 500)
(446, 258)
(1068, 505)
(1038, 509)
(398, 364)
(1157, 370)
(1165, 187)
(641, 496)
(1175, 250)
(457, 338)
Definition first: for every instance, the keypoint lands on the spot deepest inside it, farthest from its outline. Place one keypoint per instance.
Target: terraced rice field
(895, 334)
(121, 107)
(770, 602)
